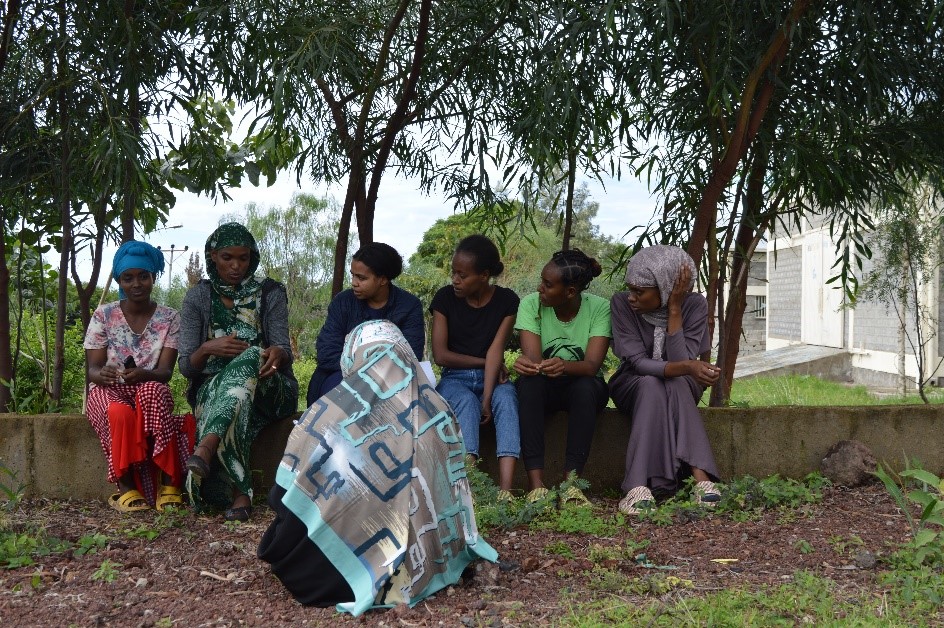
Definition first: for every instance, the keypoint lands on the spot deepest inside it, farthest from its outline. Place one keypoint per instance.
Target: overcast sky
(403, 213)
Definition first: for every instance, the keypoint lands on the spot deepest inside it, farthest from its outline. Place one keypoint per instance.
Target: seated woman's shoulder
(166, 311)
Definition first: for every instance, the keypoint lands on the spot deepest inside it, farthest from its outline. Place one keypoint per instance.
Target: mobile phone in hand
(129, 362)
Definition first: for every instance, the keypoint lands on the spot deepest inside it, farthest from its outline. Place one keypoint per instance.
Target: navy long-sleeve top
(346, 312)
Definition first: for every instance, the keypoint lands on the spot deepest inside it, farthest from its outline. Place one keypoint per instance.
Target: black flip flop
(198, 466)
(239, 513)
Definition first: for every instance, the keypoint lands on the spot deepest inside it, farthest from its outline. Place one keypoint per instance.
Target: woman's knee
(587, 390)
(459, 397)
(505, 400)
(531, 387)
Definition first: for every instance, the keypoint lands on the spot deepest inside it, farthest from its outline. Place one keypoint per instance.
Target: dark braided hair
(576, 268)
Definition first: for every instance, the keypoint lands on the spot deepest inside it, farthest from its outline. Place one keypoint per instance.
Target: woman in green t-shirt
(565, 335)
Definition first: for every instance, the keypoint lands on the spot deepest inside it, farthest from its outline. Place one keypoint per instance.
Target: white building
(802, 309)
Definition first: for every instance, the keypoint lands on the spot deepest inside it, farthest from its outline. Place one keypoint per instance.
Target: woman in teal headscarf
(234, 349)
(130, 346)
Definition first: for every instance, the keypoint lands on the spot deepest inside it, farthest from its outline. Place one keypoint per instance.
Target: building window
(760, 306)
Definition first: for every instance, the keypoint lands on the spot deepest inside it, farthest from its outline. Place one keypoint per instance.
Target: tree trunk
(398, 120)
(87, 290)
(6, 355)
(65, 216)
(755, 100)
(344, 232)
(9, 21)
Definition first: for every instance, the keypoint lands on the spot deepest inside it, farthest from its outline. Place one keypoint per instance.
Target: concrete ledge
(59, 456)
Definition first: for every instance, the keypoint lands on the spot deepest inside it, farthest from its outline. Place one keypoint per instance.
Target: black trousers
(297, 562)
(582, 397)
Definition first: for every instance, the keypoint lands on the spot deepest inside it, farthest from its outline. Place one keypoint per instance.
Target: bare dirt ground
(199, 571)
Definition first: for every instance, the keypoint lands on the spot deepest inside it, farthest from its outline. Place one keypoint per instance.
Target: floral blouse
(109, 330)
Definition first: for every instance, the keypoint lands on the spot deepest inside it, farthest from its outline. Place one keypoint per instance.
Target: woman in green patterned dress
(234, 349)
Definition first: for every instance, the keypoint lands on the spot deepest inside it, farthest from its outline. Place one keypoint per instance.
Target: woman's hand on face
(553, 367)
(680, 289)
(225, 346)
(272, 357)
(704, 373)
(524, 366)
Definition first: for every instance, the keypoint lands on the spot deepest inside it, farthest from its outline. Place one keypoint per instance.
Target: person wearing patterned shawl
(372, 503)
(234, 349)
(659, 331)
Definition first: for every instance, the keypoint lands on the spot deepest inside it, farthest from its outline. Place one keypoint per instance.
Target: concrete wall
(875, 325)
(784, 298)
(58, 456)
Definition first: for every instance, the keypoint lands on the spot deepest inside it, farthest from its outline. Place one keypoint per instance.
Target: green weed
(598, 553)
(11, 488)
(18, 549)
(803, 546)
(108, 571)
(807, 390)
(560, 548)
(808, 599)
(742, 499)
(90, 544)
(844, 545)
(925, 490)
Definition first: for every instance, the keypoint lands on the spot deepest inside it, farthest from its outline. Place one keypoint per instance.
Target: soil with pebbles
(202, 572)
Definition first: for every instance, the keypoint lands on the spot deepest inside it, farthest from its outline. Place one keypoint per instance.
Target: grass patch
(806, 390)
(742, 499)
(808, 599)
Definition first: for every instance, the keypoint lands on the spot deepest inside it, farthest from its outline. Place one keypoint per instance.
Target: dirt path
(200, 572)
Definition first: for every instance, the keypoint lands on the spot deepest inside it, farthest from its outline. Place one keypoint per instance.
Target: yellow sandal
(169, 496)
(129, 501)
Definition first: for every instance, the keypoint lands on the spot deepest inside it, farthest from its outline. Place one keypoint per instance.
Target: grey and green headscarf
(233, 234)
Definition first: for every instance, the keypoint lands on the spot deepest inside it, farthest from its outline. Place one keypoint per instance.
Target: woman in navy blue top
(372, 296)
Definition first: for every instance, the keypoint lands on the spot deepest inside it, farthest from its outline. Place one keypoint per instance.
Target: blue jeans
(463, 389)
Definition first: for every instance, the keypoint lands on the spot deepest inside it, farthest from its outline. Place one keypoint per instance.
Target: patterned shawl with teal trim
(375, 470)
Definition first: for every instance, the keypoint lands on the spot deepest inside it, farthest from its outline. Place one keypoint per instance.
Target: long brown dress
(667, 429)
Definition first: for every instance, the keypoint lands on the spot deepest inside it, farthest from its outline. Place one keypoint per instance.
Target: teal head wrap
(135, 254)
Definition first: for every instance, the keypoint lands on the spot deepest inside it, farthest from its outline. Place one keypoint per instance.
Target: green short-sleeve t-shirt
(569, 340)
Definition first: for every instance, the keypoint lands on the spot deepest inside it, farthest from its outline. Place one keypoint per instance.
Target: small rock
(530, 564)
(141, 582)
(508, 565)
(864, 559)
(215, 545)
(489, 574)
(849, 463)
(478, 605)
(396, 611)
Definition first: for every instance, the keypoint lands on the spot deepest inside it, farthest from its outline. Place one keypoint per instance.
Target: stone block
(16, 446)
(68, 458)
